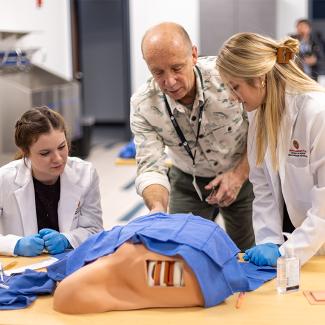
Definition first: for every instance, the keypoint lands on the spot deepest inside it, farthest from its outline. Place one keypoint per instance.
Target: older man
(185, 108)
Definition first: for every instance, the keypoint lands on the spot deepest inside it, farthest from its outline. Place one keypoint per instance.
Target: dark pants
(237, 216)
(287, 224)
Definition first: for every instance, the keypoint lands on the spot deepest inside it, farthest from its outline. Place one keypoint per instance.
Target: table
(263, 306)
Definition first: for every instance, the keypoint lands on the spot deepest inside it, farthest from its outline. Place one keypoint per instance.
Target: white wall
(146, 13)
(50, 26)
(288, 12)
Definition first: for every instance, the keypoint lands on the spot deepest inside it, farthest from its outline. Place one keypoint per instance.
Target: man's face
(172, 69)
(303, 29)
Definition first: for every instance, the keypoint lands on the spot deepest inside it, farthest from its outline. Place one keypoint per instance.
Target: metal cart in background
(21, 90)
(23, 86)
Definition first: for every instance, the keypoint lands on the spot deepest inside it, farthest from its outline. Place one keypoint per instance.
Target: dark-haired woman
(48, 200)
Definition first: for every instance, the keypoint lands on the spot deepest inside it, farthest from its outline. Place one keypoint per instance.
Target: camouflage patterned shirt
(222, 138)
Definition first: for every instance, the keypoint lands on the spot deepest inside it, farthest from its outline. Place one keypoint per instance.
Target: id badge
(197, 189)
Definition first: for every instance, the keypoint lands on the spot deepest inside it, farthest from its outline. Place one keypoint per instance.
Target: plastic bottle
(288, 272)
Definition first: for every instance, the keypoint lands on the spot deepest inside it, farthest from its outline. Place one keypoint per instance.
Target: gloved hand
(264, 254)
(55, 242)
(32, 245)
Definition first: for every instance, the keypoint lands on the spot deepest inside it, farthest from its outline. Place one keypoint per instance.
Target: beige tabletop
(263, 306)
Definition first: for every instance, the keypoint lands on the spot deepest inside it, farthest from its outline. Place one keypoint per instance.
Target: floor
(120, 203)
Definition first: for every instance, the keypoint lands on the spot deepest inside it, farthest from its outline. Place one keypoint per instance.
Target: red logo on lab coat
(295, 144)
(296, 151)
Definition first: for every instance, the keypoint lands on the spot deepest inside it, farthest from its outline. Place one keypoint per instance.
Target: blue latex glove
(32, 245)
(55, 242)
(264, 254)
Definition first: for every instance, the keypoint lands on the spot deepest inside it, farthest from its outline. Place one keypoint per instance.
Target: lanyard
(178, 130)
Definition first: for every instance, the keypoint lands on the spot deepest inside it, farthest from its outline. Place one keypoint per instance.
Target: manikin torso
(124, 281)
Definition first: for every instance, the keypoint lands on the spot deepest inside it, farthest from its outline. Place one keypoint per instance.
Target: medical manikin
(158, 260)
(131, 278)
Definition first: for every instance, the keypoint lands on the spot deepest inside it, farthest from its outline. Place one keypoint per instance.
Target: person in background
(47, 200)
(184, 107)
(309, 50)
(286, 143)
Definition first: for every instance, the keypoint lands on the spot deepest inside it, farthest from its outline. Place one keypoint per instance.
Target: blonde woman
(286, 143)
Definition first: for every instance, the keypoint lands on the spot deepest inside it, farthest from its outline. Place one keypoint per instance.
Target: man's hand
(156, 198)
(226, 188)
(310, 60)
(157, 208)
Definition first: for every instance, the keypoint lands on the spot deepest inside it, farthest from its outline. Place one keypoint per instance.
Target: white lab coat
(79, 209)
(300, 180)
